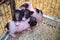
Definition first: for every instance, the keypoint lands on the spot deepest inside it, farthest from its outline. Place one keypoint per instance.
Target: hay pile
(47, 30)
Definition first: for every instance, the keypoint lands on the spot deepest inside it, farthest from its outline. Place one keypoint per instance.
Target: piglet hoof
(29, 30)
(13, 35)
(37, 25)
(24, 32)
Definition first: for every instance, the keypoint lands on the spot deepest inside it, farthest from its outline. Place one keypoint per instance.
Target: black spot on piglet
(39, 11)
(32, 21)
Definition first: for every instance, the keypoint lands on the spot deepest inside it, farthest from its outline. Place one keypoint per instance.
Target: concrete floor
(47, 30)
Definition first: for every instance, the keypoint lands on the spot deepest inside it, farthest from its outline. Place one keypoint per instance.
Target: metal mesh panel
(49, 7)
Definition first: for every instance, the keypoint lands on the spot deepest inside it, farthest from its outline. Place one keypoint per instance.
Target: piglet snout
(23, 19)
(17, 23)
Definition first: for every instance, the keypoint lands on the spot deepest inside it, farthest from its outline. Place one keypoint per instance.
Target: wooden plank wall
(49, 7)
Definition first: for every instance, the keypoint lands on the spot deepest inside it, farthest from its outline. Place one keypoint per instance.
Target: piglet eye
(31, 12)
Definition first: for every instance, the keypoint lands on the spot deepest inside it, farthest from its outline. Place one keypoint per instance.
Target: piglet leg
(12, 34)
(29, 30)
(37, 24)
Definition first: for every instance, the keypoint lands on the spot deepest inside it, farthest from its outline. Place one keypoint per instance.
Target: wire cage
(49, 28)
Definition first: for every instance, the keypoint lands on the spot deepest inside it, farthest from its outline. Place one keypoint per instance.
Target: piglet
(17, 27)
(38, 15)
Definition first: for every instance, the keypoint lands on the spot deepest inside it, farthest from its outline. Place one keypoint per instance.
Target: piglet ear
(7, 25)
(32, 12)
(24, 5)
(17, 11)
(37, 10)
(41, 12)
